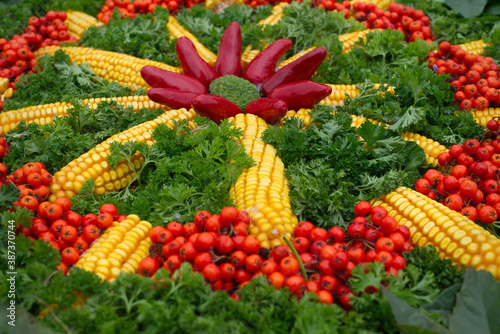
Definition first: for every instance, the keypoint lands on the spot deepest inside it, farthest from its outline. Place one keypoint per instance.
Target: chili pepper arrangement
(287, 88)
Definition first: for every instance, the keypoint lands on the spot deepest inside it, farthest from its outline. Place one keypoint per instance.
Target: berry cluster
(470, 185)
(127, 9)
(474, 78)
(317, 260)
(67, 231)
(217, 246)
(329, 257)
(413, 23)
(16, 55)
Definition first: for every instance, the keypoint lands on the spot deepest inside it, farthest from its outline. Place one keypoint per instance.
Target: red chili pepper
(264, 64)
(301, 94)
(300, 69)
(192, 64)
(214, 107)
(270, 110)
(229, 57)
(160, 78)
(172, 97)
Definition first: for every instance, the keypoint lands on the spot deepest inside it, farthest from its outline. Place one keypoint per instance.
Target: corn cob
(43, 114)
(113, 66)
(482, 117)
(431, 148)
(474, 47)
(303, 114)
(382, 4)
(4, 84)
(8, 93)
(248, 55)
(94, 165)
(338, 94)
(212, 4)
(262, 189)
(348, 40)
(454, 235)
(77, 22)
(176, 31)
(276, 15)
(119, 249)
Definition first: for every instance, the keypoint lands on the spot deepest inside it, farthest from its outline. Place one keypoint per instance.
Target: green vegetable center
(235, 89)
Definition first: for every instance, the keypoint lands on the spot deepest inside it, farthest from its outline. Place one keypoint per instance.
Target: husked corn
(262, 189)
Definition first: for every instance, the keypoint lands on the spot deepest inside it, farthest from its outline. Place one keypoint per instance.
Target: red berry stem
(297, 257)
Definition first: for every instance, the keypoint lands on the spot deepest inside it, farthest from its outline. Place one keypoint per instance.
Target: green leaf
(412, 116)
(410, 319)
(493, 9)
(476, 310)
(8, 195)
(467, 8)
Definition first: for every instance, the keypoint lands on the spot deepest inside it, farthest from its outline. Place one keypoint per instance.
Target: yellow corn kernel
(482, 117)
(108, 260)
(275, 16)
(262, 189)
(248, 55)
(98, 155)
(474, 47)
(348, 40)
(43, 114)
(77, 22)
(450, 233)
(110, 65)
(177, 30)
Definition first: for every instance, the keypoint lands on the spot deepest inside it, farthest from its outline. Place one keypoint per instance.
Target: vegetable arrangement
(285, 171)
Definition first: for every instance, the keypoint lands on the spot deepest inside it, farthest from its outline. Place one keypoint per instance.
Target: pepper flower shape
(226, 90)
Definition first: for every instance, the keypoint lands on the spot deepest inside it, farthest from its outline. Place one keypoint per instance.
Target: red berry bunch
(474, 78)
(255, 3)
(65, 230)
(329, 257)
(127, 9)
(470, 184)
(413, 23)
(217, 246)
(16, 55)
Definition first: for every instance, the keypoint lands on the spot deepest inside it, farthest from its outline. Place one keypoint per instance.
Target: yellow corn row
(293, 58)
(94, 165)
(211, 4)
(382, 4)
(474, 47)
(4, 84)
(431, 148)
(8, 93)
(303, 114)
(276, 15)
(482, 117)
(348, 40)
(248, 55)
(177, 30)
(338, 94)
(454, 235)
(262, 189)
(112, 66)
(119, 249)
(43, 114)
(77, 22)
